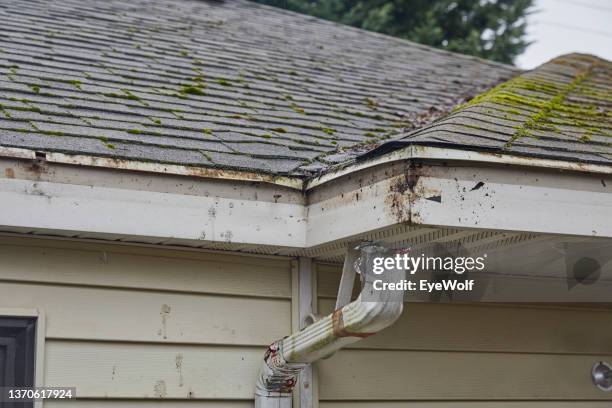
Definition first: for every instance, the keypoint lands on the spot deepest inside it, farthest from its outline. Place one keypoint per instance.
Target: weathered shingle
(224, 84)
(561, 110)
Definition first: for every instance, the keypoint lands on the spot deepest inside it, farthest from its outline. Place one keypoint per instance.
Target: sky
(562, 26)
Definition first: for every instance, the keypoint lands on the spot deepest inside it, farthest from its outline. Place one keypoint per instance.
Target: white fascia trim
(113, 212)
(297, 183)
(443, 153)
(467, 196)
(571, 203)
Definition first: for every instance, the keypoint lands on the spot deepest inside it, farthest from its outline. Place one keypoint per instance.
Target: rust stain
(405, 191)
(340, 331)
(9, 173)
(247, 176)
(397, 204)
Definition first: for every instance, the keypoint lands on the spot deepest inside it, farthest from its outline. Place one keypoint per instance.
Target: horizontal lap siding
(129, 326)
(493, 328)
(456, 356)
(153, 370)
(464, 404)
(127, 315)
(152, 404)
(331, 404)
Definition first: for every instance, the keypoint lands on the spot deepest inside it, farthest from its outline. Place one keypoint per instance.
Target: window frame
(39, 339)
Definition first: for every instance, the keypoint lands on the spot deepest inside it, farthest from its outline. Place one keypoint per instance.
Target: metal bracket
(347, 281)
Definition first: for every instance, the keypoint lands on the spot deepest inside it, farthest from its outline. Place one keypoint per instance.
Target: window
(17, 351)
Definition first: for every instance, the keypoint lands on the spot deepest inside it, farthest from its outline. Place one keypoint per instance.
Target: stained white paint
(101, 210)
(232, 215)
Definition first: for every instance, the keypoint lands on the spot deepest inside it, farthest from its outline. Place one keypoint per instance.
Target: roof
(560, 110)
(230, 85)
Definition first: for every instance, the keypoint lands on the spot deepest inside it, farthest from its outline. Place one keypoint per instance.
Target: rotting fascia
(410, 152)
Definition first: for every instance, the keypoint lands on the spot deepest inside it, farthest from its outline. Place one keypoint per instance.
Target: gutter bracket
(347, 281)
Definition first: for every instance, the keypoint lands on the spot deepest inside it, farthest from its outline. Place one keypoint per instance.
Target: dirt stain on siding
(159, 389)
(179, 368)
(164, 313)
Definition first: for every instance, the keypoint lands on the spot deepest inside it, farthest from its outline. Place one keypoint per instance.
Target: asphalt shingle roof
(217, 84)
(560, 110)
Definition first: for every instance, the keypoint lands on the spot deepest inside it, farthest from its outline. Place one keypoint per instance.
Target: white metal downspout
(371, 312)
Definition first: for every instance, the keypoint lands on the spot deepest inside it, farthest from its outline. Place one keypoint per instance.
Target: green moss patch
(192, 90)
(549, 103)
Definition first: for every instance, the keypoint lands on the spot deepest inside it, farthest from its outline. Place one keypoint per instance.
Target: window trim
(39, 347)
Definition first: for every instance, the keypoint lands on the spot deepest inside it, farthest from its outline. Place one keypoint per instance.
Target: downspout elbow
(370, 313)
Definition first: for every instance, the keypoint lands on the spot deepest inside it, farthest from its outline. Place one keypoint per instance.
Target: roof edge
(418, 151)
(296, 183)
(401, 152)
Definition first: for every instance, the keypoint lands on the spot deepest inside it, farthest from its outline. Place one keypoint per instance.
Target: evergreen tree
(493, 29)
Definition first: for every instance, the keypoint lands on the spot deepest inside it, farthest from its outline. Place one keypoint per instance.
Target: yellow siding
(135, 327)
(464, 404)
(458, 356)
(129, 325)
(97, 403)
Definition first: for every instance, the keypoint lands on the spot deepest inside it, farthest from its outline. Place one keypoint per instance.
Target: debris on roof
(231, 85)
(560, 110)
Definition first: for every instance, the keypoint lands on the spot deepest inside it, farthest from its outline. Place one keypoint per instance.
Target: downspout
(372, 311)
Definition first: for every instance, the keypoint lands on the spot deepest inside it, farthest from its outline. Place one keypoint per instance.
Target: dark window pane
(17, 354)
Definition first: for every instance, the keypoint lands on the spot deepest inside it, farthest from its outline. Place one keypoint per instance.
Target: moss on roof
(559, 110)
(570, 95)
(207, 77)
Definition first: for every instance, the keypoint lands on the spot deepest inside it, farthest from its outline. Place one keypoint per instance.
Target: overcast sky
(562, 26)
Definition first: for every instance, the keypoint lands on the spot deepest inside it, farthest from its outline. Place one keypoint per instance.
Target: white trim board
(420, 152)
(236, 215)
